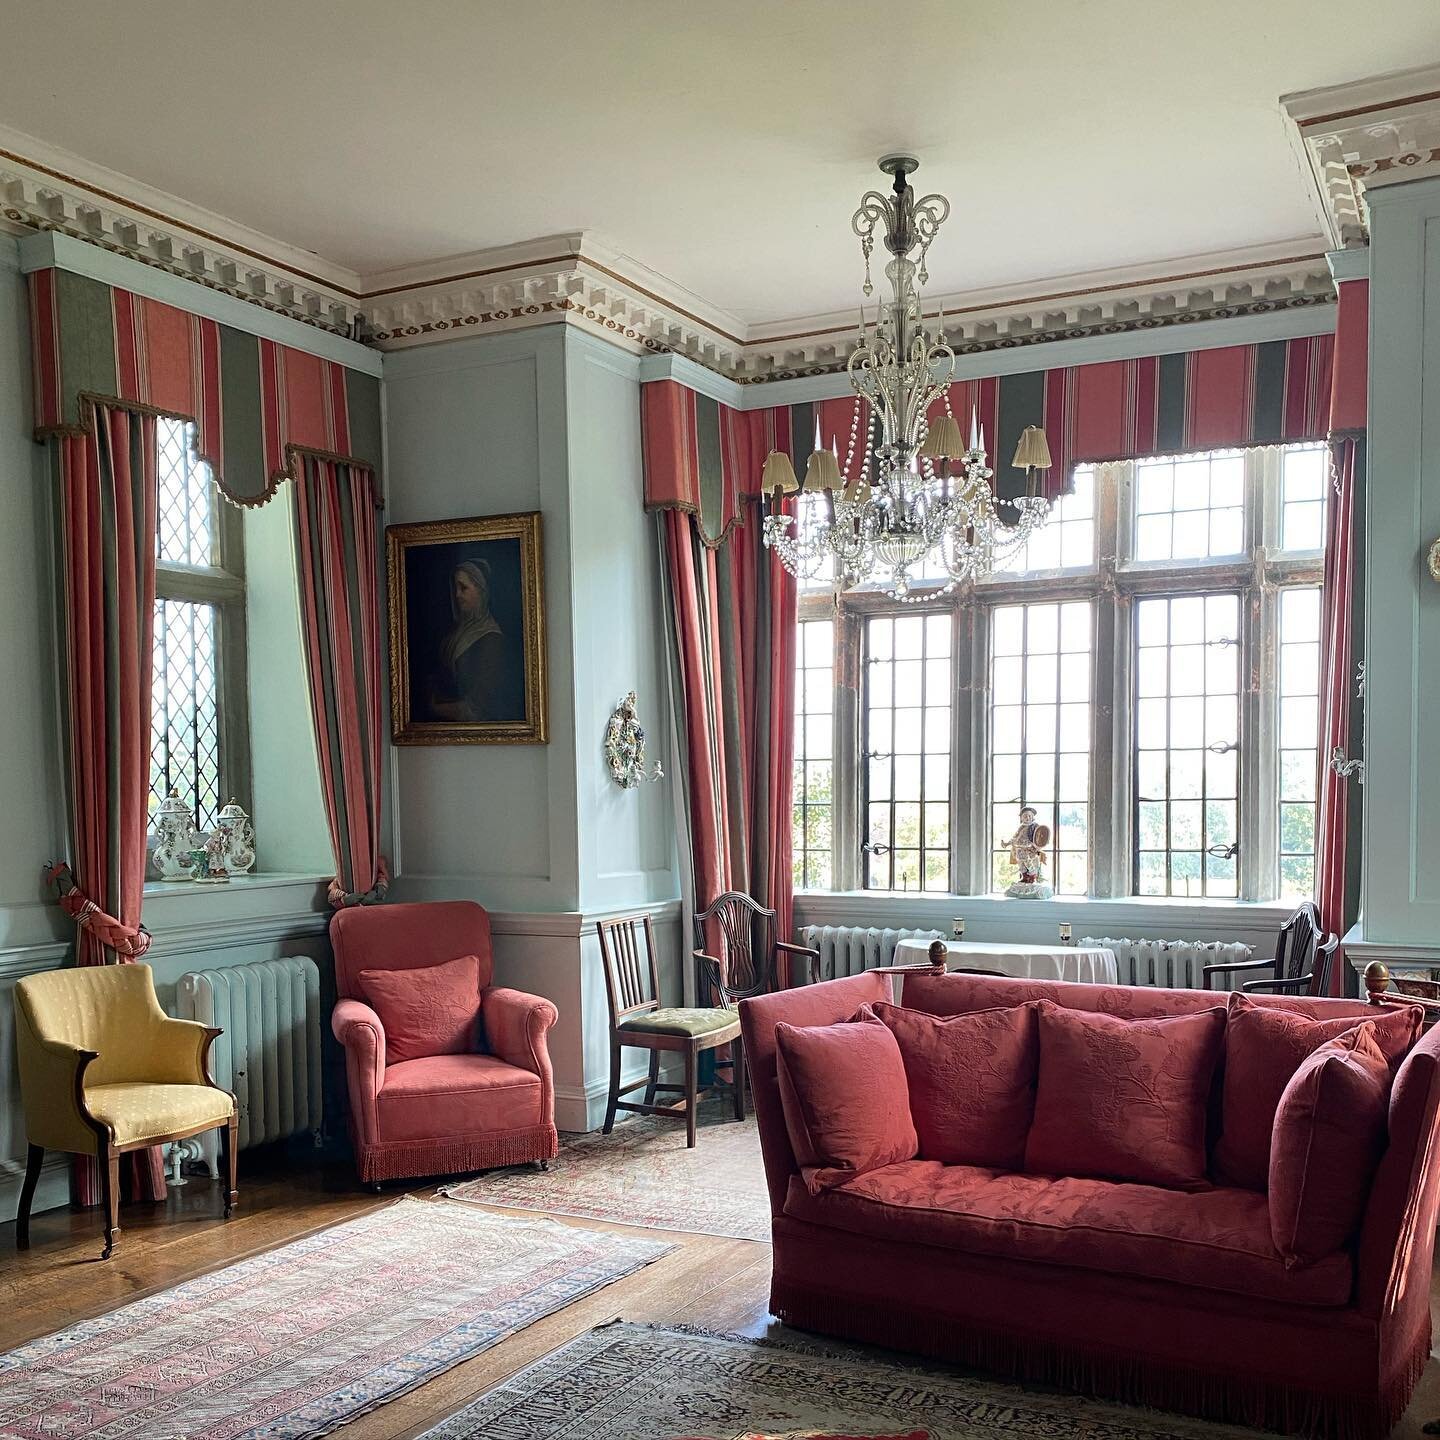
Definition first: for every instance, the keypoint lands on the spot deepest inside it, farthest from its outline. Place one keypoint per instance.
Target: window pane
(1299, 706)
(1303, 474)
(1041, 749)
(1067, 540)
(907, 694)
(186, 493)
(184, 715)
(812, 803)
(1186, 724)
(1190, 508)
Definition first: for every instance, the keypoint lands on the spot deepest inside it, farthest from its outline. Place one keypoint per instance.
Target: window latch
(1224, 852)
(872, 847)
(877, 754)
(1223, 747)
(1226, 640)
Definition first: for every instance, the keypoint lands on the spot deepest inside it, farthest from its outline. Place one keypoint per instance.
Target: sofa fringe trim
(1134, 1380)
(405, 1159)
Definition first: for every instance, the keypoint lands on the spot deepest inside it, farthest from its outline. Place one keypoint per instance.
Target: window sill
(261, 881)
(1000, 917)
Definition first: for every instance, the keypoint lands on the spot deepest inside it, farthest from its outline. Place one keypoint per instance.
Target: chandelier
(920, 496)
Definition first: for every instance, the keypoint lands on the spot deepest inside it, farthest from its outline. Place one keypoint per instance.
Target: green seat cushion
(680, 1021)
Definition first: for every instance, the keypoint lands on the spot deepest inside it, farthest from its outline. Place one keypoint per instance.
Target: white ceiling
(724, 145)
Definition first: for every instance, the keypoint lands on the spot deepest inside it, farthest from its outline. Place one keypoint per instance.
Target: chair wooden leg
(614, 1086)
(737, 1076)
(650, 1089)
(230, 1143)
(34, 1158)
(691, 1056)
(108, 1162)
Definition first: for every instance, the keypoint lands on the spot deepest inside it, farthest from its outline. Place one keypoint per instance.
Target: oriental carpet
(291, 1343)
(643, 1174)
(642, 1382)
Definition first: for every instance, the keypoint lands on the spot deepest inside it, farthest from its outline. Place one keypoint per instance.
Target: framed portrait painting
(467, 631)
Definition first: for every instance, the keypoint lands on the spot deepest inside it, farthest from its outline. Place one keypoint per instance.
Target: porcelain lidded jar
(175, 837)
(239, 834)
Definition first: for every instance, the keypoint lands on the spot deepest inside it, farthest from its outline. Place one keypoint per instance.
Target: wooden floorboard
(707, 1281)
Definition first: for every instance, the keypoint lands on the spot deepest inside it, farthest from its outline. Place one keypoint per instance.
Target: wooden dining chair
(1302, 958)
(638, 1020)
(748, 949)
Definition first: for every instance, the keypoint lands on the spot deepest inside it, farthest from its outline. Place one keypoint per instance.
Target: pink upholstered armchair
(439, 1114)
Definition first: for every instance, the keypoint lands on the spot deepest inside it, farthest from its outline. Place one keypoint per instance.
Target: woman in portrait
(475, 678)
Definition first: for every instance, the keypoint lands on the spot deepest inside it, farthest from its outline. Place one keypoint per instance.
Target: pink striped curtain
(1337, 869)
(336, 549)
(108, 507)
(734, 615)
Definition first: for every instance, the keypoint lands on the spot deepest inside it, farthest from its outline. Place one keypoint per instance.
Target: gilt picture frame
(467, 631)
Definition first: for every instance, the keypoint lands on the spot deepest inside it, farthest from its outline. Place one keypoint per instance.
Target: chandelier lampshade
(943, 442)
(778, 477)
(920, 496)
(823, 471)
(1033, 451)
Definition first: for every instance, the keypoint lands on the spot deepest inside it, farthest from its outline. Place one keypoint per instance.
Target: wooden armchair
(1302, 960)
(749, 950)
(103, 1071)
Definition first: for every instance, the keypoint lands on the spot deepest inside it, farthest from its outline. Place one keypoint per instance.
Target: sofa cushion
(971, 1080)
(846, 1103)
(432, 1010)
(1329, 1134)
(1264, 1046)
(1215, 1239)
(1124, 1099)
(445, 1096)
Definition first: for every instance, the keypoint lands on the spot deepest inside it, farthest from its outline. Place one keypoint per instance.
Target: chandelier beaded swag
(921, 496)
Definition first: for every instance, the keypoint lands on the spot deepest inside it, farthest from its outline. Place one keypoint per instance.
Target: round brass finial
(1377, 979)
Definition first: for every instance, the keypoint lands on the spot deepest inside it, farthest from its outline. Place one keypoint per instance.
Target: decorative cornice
(577, 279)
(41, 189)
(1365, 135)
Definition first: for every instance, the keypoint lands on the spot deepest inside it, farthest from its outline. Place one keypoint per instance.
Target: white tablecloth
(1093, 964)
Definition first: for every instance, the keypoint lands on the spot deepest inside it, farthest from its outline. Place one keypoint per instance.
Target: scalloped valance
(255, 403)
(706, 457)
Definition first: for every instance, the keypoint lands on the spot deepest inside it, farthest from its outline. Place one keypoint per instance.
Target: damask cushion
(1124, 1099)
(431, 1010)
(1264, 1046)
(846, 1102)
(442, 1097)
(971, 1080)
(1329, 1135)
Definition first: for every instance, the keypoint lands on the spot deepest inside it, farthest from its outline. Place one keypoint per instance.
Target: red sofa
(439, 1114)
(1141, 1294)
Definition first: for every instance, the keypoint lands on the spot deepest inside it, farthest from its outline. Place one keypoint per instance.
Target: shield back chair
(435, 1111)
(104, 1071)
(1302, 958)
(637, 1019)
(748, 950)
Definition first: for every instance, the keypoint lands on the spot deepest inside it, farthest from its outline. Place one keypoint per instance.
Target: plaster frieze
(1362, 136)
(577, 279)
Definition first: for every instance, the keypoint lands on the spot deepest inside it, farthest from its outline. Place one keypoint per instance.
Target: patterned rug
(301, 1339)
(643, 1174)
(641, 1382)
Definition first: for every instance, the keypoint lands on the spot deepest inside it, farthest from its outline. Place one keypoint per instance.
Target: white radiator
(851, 949)
(269, 1053)
(1172, 964)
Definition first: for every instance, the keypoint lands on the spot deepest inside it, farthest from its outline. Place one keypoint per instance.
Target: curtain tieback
(341, 899)
(129, 942)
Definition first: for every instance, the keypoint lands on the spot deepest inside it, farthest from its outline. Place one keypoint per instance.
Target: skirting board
(578, 1110)
(51, 1193)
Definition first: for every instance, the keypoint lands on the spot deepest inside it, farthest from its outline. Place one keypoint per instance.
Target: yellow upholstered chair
(104, 1070)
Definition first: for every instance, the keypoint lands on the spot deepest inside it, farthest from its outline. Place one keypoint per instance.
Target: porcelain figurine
(1027, 850)
(175, 838)
(239, 837)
